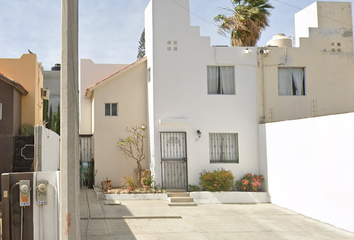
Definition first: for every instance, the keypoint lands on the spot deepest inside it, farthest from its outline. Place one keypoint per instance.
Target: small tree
(141, 48)
(133, 146)
(56, 121)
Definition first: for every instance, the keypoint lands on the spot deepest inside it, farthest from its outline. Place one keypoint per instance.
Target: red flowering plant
(250, 183)
(218, 180)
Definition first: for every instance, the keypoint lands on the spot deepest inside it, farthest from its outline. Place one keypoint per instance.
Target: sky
(109, 30)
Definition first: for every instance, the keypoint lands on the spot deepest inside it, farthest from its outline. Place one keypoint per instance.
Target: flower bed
(123, 194)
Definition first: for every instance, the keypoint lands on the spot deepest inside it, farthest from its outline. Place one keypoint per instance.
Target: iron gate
(174, 160)
(23, 154)
(86, 161)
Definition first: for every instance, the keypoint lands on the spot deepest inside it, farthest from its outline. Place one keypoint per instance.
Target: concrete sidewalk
(154, 219)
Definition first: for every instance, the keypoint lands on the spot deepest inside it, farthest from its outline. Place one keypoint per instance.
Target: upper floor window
(221, 80)
(111, 109)
(223, 147)
(291, 81)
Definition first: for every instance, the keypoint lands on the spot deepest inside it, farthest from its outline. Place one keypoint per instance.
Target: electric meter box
(42, 186)
(25, 193)
(11, 184)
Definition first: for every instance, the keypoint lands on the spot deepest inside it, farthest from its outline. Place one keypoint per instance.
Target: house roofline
(13, 83)
(92, 87)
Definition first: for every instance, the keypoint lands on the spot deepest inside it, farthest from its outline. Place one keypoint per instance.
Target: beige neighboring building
(116, 102)
(91, 73)
(317, 77)
(27, 72)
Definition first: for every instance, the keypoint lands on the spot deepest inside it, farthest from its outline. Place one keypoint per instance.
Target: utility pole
(69, 124)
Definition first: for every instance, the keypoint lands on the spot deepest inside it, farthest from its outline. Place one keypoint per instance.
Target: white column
(69, 131)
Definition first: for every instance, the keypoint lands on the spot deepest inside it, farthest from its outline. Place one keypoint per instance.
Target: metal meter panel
(11, 209)
(25, 193)
(42, 187)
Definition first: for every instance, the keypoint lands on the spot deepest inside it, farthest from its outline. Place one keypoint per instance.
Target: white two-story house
(203, 104)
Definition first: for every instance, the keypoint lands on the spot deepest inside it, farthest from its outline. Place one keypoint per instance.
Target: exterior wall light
(199, 134)
(264, 51)
(248, 51)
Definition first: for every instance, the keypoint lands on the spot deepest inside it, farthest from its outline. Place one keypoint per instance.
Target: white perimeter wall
(47, 149)
(46, 217)
(50, 150)
(310, 167)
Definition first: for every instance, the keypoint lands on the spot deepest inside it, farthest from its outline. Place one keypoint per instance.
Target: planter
(137, 196)
(146, 187)
(230, 197)
(129, 189)
(107, 185)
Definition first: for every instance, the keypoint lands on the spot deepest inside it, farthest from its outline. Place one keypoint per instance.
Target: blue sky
(109, 30)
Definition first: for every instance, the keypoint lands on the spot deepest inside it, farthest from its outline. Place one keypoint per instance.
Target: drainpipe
(261, 64)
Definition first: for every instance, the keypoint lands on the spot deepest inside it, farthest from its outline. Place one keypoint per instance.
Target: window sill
(230, 161)
(222, 94)
(292, 95)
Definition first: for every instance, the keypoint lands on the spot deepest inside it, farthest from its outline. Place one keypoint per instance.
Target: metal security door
(174, 160)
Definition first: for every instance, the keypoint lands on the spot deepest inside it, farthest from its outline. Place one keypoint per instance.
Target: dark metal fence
(23, 154)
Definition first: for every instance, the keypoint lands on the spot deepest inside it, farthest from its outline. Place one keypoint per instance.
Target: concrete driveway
(154, 219)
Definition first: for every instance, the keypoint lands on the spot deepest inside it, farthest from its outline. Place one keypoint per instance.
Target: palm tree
(246, 21)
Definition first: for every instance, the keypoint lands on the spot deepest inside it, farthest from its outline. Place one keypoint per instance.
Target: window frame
(293, 84)
(212, 148)
(110, 114)
(219, 82)
(0, 111)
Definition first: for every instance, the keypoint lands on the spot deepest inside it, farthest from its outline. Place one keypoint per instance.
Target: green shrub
(27, 129)
(194, 188)
(250, 183)
(219, 180)
(148, 180)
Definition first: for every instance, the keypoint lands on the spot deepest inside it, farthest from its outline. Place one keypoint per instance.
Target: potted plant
(106, 184)
(147, 182)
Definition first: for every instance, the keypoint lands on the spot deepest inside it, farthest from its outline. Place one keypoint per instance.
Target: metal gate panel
(86, 148)
(23, 154)
(87, 161)
(173, 160)
(173, 145)
(174, 174)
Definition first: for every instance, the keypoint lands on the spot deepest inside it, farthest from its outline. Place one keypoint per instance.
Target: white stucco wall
(47, 149)
(329, 82)
(129, 91)
(150, 89)
(46, 217)
(91, 73)
(179, 87)
(310, 165)
(50, 150)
